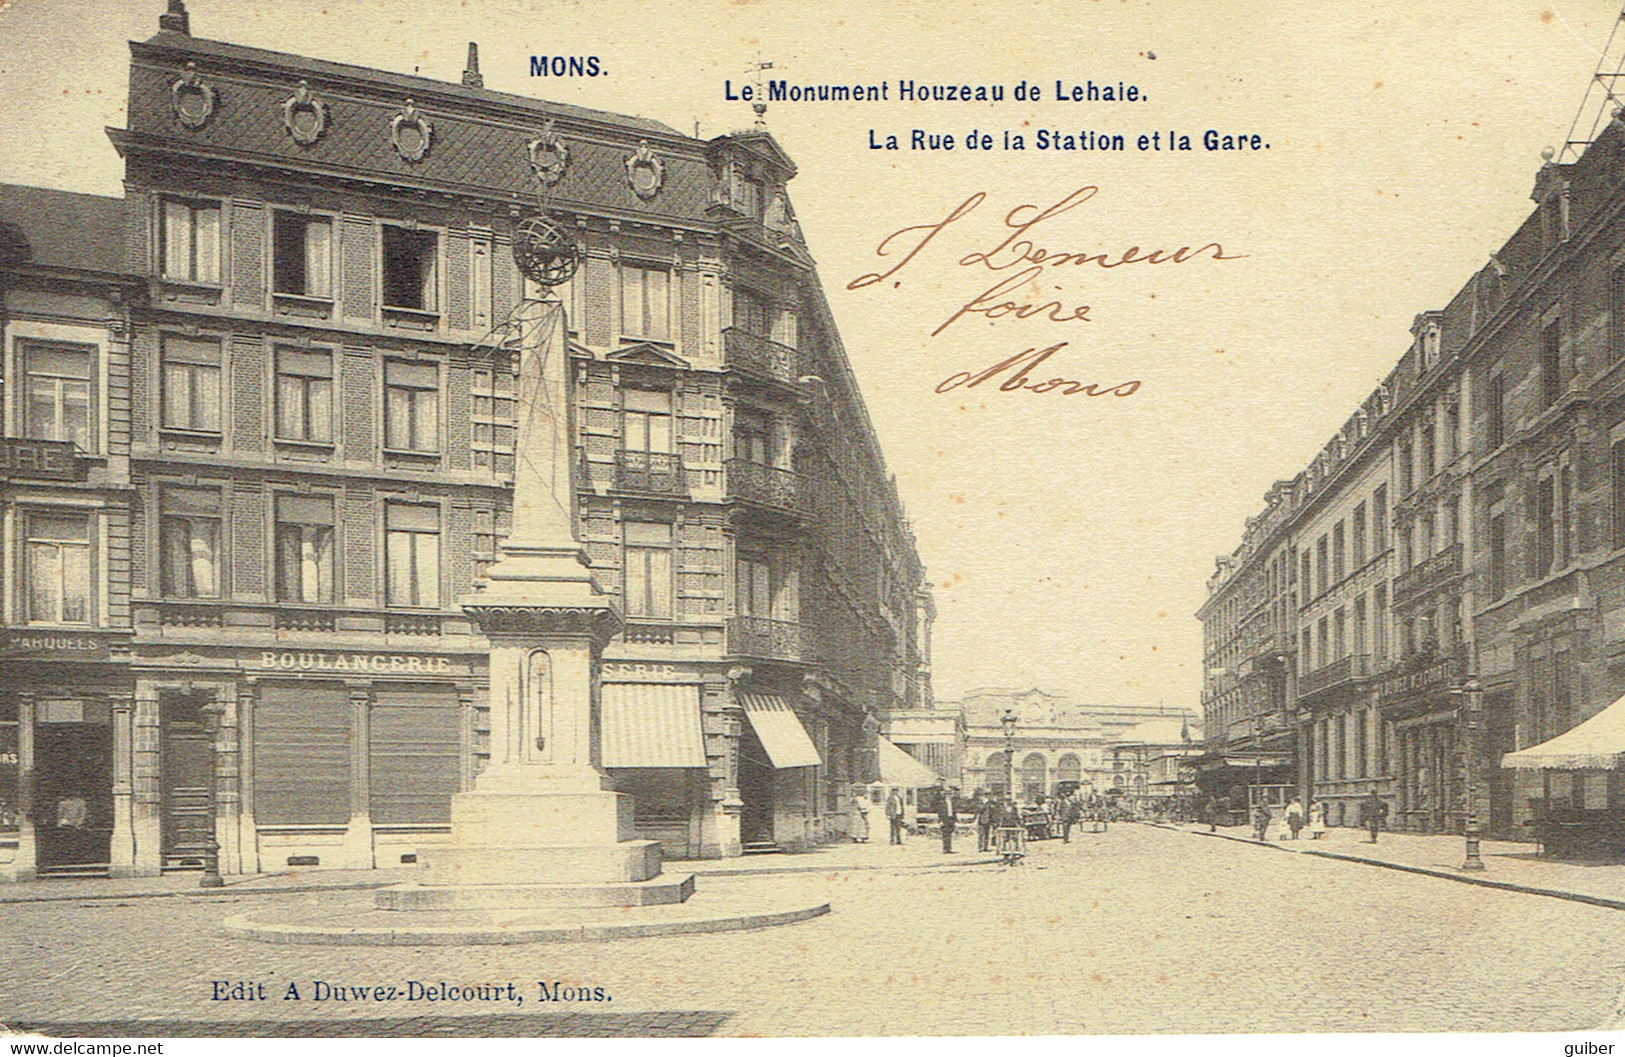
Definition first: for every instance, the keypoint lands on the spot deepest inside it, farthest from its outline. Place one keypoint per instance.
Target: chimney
(175, 20)
(471, 74)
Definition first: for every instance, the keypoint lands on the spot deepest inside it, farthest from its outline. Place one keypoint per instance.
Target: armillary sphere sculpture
(545, 252)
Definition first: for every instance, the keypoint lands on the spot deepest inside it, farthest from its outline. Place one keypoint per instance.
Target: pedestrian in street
(1373, 813)
(1261, 821)
(894, 815)
(950, 819)
(860, 815)
(1294, 817)
(1317, 819)
(987, 820)
(1069, 818)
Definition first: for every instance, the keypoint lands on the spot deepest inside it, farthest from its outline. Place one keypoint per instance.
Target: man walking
(1261, 821)
(987, 820)
(1373, 813)
(950, 819)
(894, 815)
(1069, 817)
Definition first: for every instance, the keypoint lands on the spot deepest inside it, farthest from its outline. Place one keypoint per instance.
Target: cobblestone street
(1136, 930)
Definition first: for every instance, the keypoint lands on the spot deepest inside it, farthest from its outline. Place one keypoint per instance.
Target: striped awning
(897, 767)
(1597, 743)
(780, 731)
(652, 725)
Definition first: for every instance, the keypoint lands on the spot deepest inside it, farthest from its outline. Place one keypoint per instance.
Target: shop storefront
(64, 727)
(303, 758)
(1421, 738)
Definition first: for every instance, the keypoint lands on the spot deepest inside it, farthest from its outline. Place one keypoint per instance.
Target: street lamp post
(211, 847)
(1008, 720)
(1473, 691)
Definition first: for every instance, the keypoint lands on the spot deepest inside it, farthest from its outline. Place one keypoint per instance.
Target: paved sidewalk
(1509, 865)
(918, 853)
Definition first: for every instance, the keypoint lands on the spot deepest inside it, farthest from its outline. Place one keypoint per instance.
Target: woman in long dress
(860, 816)
(1317, 820)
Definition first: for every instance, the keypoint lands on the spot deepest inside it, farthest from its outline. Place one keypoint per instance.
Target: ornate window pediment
(647, 354)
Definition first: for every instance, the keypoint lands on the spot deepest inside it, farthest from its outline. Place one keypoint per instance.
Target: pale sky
(1070, 538)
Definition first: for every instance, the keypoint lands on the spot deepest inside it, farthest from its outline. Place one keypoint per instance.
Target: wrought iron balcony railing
(1354, 668)
(647, 471)
(1428, 575)
(766, 485)
(759, 355)
(764, 639)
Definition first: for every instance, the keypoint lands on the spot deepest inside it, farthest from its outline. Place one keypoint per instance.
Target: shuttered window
(414, 756)
(302, 755)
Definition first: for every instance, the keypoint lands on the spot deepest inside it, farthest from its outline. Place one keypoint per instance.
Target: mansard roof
(479, 143)
(62, 231)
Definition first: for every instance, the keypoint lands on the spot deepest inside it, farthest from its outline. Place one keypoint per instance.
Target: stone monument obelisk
(542, 824)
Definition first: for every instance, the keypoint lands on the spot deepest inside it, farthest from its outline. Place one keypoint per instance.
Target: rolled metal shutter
(302, 755)
(414, 759)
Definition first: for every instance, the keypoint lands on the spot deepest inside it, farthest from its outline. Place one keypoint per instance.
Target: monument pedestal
(543, 826)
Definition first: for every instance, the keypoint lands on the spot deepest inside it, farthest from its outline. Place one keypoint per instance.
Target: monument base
(508, 864)
(417, 896)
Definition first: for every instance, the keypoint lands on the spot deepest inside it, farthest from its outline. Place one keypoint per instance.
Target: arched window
(994, 773)
(1034, 772)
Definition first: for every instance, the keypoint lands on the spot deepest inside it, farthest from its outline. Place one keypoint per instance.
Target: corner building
(321, 428)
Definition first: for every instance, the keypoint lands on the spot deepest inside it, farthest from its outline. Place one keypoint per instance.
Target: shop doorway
(757, 779)
(73, 802)
(184, 761)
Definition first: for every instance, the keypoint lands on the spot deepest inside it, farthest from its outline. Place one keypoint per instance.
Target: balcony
(1437, 570)
(412, 624)
(654, 473)
(768, 640)
(189, 615)
(1421, 674)
(290, 619)
(1354, 668)
(760, 356)
(764, 485)
(649, 634)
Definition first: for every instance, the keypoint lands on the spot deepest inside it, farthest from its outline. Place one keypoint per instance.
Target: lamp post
(1008, 721)
(211, 847)
(1473, 691)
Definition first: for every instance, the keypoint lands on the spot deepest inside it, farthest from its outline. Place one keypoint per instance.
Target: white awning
(652, 725)
(897, 767)
(1599, 742)
(780, 731)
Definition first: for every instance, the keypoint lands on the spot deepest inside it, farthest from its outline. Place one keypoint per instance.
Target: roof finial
(471, 73)
(760, 105)
(176, 20)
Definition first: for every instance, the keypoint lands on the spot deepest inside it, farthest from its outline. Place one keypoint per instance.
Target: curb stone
(1482, 882)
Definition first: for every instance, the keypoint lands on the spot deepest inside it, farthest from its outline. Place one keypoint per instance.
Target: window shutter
(414, 757)
(302, 755)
